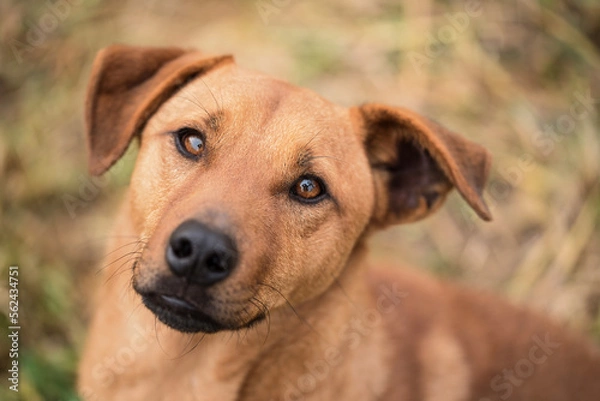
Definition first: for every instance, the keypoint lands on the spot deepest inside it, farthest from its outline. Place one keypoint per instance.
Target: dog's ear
(127, 85)
(416, 162)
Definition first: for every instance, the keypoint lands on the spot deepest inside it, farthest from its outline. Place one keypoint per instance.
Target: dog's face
(250, 193)
(274, 168)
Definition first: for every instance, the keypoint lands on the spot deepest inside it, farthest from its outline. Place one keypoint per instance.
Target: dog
(238, 269)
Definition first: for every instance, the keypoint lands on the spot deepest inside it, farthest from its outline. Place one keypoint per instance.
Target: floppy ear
(416, 162)
(127, 85)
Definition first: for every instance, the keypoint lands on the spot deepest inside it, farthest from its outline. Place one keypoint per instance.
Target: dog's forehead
(249, 100)
(245, 108)
(240, 86)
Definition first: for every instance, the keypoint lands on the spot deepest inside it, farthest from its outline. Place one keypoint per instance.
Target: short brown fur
(306, 317)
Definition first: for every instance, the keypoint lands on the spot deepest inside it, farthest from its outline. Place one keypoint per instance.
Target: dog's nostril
(216, 263)
(182, 248)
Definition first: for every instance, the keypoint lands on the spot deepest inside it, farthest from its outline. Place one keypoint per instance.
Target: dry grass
(517, 68)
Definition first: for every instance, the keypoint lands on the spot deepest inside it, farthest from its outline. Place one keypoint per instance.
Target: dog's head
(250, 193)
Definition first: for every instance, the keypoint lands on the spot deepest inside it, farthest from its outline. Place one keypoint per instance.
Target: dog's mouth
(183, 316)
(179, 314)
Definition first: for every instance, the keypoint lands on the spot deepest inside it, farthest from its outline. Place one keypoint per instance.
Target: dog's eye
(190, 142)
(308, 189)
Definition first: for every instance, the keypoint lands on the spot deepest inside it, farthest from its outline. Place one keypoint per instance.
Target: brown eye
(308, 189)
(193, 144)
(190, 142)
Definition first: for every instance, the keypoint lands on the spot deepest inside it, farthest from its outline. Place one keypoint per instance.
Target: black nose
(200, 253)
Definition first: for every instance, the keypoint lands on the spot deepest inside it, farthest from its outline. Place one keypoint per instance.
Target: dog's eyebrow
(306, 154)
(214, 120)
(305, 158)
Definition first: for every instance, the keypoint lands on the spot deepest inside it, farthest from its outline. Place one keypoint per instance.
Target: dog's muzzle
(198, 257)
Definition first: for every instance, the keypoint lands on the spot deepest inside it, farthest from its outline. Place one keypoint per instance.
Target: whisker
(185, 351)
(196, 102)
(140, 245)
(135, 308)
(136, 242)
(130, 257)
(265, 311)
(87, 242)
(196, 345)
(302, 319)
(107, 265)
(315, 136)
(311, 158)
(212, 95)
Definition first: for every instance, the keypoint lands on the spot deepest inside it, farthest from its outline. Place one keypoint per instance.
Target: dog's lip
(173, 303)
(182, 315)
(176, 302)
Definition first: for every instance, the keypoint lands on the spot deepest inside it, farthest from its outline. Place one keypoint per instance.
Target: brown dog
(243, 235)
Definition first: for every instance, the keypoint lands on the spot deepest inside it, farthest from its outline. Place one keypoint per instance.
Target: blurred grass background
(509, 75)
